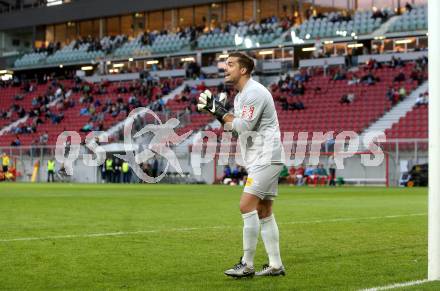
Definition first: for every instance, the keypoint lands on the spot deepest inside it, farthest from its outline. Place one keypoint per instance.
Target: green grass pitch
(179, 237)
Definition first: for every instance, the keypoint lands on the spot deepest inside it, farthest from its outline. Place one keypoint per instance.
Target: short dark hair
(244, 61)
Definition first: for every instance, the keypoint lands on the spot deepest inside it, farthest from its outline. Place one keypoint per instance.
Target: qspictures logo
(207, 145)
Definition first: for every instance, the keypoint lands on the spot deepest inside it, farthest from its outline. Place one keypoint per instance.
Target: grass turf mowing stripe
(123, 233)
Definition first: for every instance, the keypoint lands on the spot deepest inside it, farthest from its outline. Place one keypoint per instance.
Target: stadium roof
(82, 10)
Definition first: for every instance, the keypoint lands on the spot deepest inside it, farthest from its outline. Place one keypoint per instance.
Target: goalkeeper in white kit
(256, 123)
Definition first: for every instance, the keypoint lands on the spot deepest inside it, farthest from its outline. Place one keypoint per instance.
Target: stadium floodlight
(188, 59)
(248, 42)
(238, 39)
(434, 143)
(86, 68)
(262, 53)
(404, 41)
(309, 49)
(54, 2)
(355, 45)
(6, 77)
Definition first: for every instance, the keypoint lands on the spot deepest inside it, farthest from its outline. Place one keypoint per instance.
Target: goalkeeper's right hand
(208, 103)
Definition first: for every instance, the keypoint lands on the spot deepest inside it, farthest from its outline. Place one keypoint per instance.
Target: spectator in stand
(87, 127)
(339, 75)
(422, 99)
(396, 96)
(284, 102)
(284, 87)
(16, 142)
(402, 93)
(297, 105)
(390, 94)
(299, 89)
(354, 80)
(396, 62)
(417, 75)
(400, 77)
(377, 13)
(18, 97)
(56, 118)
(347, 98)
(369, 79)
(44, 138)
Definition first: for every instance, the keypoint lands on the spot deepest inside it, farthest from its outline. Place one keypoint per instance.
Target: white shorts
(262, 181)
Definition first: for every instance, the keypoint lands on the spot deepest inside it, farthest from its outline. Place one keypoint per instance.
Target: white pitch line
(119, 233)
(397, 285)
(124, 233)
(355, 218)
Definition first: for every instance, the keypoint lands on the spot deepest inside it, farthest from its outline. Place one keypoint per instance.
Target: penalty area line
(397, 285)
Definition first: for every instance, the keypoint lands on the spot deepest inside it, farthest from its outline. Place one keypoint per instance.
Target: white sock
(271, 239)
(251, 226)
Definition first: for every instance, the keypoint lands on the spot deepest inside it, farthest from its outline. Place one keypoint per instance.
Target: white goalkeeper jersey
(256, 123)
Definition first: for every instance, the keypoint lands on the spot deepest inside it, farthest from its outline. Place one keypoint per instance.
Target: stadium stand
(31, 59)
(234, 34)
(413, 125)
(133, 47)
(328, 106)
(154, 42)
(161, 42)
(89, 107)
(76, 51)
(169, 43)
(413, 19)
(335, 24)
(307, 101)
